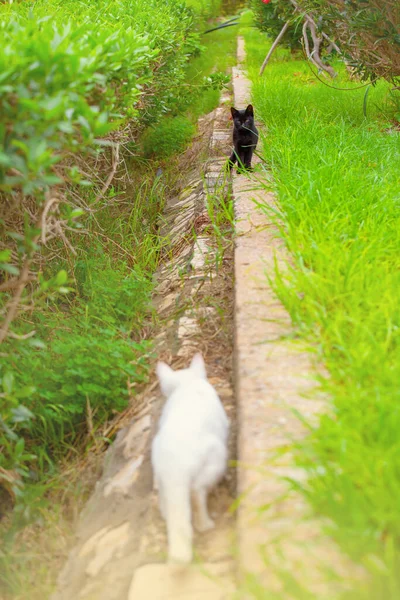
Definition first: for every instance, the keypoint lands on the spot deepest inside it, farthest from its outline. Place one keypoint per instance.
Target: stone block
(212, 581)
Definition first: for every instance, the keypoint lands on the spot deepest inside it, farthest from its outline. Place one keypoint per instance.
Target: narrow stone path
(235, 320)
(120, 550)
(273, 376)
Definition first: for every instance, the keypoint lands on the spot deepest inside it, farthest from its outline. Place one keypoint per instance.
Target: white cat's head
(170, 380)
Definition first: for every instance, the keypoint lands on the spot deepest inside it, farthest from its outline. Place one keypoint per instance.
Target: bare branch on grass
(274, 45)
(314, 55)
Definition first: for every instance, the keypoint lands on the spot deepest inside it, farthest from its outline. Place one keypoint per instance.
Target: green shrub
(68, 81)
(84, 365)
(79, 370)
(169, 137)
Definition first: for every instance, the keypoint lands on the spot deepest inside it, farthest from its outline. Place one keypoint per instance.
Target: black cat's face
(243, 119)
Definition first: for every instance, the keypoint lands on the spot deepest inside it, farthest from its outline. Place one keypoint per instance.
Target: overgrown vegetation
(335, 173)
(96, 101)
(206, 74)
(78, 83)
(365, 34)
(366, 31)
(272, 16)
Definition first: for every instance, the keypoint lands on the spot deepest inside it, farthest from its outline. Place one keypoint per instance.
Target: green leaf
(21, 414)
(5, 255)
(9, 269)
(77, 212)
(62, 277)
(8, 382)
(35, 343)
(26, 392)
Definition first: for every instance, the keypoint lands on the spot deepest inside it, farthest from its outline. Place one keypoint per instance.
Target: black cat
(245, 137)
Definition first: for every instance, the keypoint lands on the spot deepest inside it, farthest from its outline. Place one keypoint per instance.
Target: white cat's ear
(197, 365)
(166, 377)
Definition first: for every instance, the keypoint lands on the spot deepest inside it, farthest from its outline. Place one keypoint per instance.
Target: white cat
(189, 452)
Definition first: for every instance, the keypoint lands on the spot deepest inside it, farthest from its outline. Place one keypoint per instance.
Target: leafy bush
(78, 82)
(272, 16)
(71, 73)
(367, 32)
(55, 387)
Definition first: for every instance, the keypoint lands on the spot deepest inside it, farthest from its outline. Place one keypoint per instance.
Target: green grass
(336, 174)
(220, 211)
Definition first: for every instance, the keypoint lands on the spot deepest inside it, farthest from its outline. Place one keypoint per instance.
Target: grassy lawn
(336, 175)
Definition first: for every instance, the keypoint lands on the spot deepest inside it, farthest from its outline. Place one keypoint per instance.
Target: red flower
(265, 1)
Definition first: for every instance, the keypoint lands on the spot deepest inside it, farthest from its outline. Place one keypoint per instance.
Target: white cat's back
(192, 425)
(194, 408)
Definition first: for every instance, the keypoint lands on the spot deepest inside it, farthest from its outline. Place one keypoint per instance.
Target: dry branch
(314, 55)
(274, 45)
(115, 162)
(12, 307)
(45, 212)
(26, 336)
(12, 284)
(50, 226)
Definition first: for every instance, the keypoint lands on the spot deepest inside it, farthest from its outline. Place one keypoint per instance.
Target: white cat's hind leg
(203, 520)
(161, 502)
(179, 520)
(209, 475)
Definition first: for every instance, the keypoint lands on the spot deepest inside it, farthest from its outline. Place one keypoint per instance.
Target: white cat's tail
(179, 521)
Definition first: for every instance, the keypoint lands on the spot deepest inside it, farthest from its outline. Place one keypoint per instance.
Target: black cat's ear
(234, 112)
(249, 110)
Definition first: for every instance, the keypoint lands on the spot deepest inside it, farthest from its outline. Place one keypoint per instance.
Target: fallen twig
(46, 209)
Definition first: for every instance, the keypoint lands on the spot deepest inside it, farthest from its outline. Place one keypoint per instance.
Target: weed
(219, 205)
